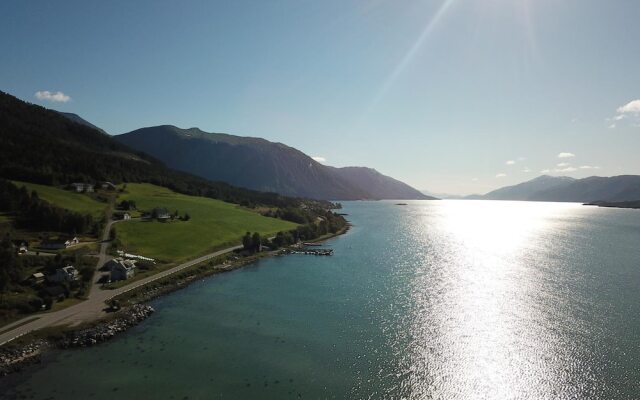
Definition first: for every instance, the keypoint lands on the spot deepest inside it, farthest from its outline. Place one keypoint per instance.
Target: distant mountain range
(563, 188)
(262, 165)
(439, 195)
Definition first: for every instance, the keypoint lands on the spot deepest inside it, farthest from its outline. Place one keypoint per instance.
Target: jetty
(313, 252)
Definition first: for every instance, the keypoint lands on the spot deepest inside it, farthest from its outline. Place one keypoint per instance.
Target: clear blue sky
(440, 94)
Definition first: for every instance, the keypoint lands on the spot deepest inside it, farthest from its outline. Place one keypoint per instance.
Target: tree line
(33, 213)
(327, 223)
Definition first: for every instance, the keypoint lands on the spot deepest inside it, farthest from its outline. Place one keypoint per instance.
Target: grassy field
(67, 199)
(213, 225)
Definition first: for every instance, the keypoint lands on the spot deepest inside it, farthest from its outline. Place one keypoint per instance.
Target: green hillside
(67, 199)
(213, 224)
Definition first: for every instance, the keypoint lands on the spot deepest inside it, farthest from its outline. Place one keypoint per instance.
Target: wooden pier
(313, 252)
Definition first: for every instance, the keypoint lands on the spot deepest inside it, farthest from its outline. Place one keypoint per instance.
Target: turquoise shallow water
(443, 300)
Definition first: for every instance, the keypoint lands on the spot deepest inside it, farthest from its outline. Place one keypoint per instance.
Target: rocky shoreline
(15, 359)
(106, 330)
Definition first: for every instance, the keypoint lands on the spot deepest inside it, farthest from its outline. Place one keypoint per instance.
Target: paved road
(102, 259)
(94, 307)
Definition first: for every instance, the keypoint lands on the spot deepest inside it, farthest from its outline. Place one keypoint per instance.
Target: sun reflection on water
(483, 324)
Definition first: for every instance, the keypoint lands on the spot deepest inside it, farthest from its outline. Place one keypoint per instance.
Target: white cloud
(526, 170)
(568, 169)
(629, 111)
(562, 164)
(632, 107)
(566, 155)
(521, 158)
(510, 162)
(588, 167)
(57, 97)
(474, 179)
(501, 175)
(545, 171)
(320, 159)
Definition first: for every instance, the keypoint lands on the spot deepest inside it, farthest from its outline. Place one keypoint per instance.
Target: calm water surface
(433, 300)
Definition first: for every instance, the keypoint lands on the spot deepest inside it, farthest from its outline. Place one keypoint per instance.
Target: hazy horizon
(449, 96)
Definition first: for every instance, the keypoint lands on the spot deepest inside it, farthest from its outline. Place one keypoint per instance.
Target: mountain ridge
(78, 119)
(43, 146)
(259, 164)
(566, 189)
(524, 190)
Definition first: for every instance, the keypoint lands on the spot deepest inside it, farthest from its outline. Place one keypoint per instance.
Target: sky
(452, 96)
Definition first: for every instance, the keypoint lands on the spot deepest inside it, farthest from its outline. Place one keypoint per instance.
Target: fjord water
(437, 299)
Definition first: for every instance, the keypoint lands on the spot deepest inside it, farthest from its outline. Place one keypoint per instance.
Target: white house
(119, 215)
(66, 274)
(82, 187)
(121, 269)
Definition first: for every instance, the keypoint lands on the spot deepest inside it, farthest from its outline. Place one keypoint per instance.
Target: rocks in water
(13, 359)
(105, 331)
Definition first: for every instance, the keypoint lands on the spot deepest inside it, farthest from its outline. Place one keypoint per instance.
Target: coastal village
(56, 284)
(93, 269)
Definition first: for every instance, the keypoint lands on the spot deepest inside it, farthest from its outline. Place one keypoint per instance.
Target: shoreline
(29, 349)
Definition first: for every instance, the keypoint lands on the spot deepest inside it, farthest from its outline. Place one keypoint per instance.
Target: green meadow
(78, 202)
(213, 224)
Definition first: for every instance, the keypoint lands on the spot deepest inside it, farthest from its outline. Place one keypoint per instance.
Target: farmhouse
(82, 187)
(108, 186)
(66, 274)
(121, 269)
(124, 216)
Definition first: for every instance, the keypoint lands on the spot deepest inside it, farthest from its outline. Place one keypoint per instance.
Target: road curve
(94, 306)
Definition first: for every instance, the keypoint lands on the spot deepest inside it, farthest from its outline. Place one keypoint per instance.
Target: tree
(48, 302)
(4, 282)
(256, 242)
(247, 243)
(10, 270)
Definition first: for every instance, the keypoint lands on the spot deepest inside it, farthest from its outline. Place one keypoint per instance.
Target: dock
(313, 252)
